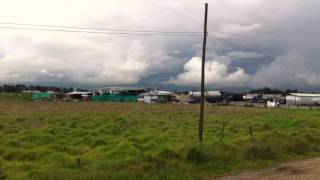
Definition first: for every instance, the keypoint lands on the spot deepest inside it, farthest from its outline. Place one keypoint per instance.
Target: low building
(114, 98)
(251, 97)
(263, 98)
(210, 96)
(49, 95)
(122, 90)
(30, 91)
(118, 94)
(86, 96)
(273, 104)
(213, 96)
(157, 97)
(271, 97)
(303, 99)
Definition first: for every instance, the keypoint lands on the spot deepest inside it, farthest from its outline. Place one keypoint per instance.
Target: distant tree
(21, 87)
(53, 88)
(288, 91)
(267, 90)
(82, 90)
(32, 88)
(185, 92)
(64, 90)
(9, 88)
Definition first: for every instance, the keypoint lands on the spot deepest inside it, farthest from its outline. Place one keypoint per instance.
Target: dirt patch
(301, 170)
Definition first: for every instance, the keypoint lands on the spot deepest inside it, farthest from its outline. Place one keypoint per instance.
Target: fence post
(78, 163)
(251, 131)
(222, 131)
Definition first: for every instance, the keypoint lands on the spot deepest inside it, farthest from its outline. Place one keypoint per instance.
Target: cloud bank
(277, 34)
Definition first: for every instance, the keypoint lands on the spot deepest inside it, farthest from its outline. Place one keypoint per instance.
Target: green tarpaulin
(114, 98)
(41, 95)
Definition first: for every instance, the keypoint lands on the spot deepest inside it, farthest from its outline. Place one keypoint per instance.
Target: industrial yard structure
(122, 90)
(210, 96)
(303, 99)
(152, 95)
(157, 97)
(79, 95)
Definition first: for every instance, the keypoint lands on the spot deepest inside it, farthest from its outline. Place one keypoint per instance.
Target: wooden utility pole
(202, 73)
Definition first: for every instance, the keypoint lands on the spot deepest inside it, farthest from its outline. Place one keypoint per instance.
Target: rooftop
(305, 94)
(80, 93)
(122, 88)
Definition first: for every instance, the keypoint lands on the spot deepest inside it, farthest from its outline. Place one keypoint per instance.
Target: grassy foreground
(43, 140)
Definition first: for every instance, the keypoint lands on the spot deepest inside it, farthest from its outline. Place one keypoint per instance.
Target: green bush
(21, 155)
(155, 163)
(169, 154)
(260, 150)
(195, 155)
(124, 150)
(20, 119)
(300, 146)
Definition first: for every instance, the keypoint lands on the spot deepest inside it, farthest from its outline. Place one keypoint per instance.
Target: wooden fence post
(251, 131)
(78, 163)
(222, 132)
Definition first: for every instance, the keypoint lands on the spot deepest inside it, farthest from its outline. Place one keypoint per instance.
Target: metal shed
(210, 96)
(157, 97)
(303, 99)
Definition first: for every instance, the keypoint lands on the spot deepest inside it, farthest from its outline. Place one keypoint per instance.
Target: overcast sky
(262, 43)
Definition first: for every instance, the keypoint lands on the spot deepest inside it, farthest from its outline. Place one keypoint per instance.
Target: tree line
(22, 87)
(267, 90)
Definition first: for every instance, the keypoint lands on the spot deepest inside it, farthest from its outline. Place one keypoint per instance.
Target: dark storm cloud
(272, 32)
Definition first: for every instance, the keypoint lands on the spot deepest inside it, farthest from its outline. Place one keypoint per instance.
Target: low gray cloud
(243, 55)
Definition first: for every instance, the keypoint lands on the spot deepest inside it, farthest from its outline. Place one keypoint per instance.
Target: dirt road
(301, 170)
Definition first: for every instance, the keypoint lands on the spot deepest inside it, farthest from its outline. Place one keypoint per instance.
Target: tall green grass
(136, 141)
(15, 96)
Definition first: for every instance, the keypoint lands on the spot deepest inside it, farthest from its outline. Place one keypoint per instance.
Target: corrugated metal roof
(122, 88)
(164, 92)
(207, 93)
(80, 93)
(305, 95)
(157, 93)
(271, 95)
(249, 96)
(213, 93)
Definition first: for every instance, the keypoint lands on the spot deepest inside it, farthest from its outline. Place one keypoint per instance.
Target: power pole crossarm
(203, 74)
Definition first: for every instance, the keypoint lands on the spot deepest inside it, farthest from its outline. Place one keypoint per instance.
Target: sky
(257, 44)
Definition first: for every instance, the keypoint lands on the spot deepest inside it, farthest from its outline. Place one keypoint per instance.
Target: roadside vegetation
(68, 140)
(5, 97)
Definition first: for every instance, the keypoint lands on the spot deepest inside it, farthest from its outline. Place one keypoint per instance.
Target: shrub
(155, 163)
(2, 174)
(169, 154)
(196, 156)
(124, 150)
(20, 119)
(1, 162)
(259, 150)
(21, 155)
(299, 146)
(59, 160)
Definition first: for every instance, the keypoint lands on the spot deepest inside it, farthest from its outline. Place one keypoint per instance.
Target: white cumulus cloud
(216, 74)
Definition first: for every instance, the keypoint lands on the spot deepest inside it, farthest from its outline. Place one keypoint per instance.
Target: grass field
(44, 140)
